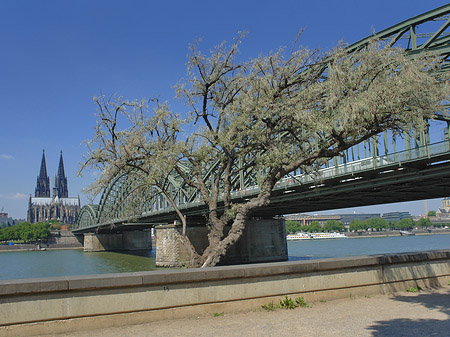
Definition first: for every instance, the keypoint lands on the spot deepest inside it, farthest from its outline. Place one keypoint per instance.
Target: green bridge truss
(386, 162)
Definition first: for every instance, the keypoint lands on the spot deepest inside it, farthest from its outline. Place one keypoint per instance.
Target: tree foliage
(272, 114)
(333, 226)
(405, 223)
(293, 226)
(26, 232)
(315, 227)
(424, 223)
(377, 223)
(356, 225)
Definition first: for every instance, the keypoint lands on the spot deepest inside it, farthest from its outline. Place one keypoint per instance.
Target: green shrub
(288, 303)
(301, 302)
(413, 289)
(270, 307)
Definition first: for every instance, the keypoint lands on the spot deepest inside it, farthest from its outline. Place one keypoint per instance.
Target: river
(35, 264)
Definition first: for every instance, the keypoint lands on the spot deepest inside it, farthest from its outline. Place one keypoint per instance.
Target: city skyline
(58, 55)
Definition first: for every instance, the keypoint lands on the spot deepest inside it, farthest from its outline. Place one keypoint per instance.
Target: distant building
(5, 220)
(346, 219)
(60, 206)
(443, 213)
(444, 210)
(395, 216)
(306, 219)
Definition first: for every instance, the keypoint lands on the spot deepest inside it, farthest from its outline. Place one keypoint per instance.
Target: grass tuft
(286, 303)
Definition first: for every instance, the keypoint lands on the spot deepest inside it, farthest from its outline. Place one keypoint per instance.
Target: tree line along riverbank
(27, 236)
(366, 234)
(372, 225)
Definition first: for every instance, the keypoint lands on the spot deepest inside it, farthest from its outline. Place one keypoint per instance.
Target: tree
(377, 223)
(431, 213)
(424, 223)
(26, 232)
(405, 223)
(56, 226)
(333, 226)
(315, 227)
(271, 115)
(357, 224)
(292, 226)
(41, 231)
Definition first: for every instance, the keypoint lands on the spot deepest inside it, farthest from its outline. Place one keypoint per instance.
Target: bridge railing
(388, 161)
(348, 171)
(345, 172)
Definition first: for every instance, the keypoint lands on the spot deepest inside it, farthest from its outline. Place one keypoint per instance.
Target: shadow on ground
(419, 326)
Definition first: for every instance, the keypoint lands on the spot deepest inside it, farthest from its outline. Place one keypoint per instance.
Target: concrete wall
(130, 240)
(59, 305)
(65, 239)
(263, 240)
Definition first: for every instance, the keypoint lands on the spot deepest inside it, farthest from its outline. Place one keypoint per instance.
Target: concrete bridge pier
(129, 240)
(263, 240)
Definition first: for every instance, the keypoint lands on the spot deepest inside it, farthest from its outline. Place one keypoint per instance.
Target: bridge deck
(415, 174)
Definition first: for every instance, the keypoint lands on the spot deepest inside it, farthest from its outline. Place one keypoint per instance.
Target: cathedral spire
(43, 181)
(61, 167)
(43, 171)
(60, 190)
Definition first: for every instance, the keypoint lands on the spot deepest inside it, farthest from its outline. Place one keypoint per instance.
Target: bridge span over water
(384, 169)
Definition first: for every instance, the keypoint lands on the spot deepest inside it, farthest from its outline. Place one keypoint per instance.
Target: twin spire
(43, 182)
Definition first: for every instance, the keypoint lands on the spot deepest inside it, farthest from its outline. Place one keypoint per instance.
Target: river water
(34, 264)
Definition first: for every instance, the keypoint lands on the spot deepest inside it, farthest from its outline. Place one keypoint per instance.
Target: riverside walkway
(424, 313)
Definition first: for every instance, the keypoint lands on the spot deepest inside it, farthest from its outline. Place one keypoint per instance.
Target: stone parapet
(64, 304)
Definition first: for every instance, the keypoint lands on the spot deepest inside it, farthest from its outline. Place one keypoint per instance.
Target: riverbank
(367, 234)
(22, 247)
(424, 313)
(58, 240)
(32, 247)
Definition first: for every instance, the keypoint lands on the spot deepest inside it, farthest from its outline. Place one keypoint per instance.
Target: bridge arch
(127, 196)
(87, 217)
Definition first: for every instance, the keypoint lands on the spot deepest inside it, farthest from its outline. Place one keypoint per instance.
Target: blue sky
(57, 54)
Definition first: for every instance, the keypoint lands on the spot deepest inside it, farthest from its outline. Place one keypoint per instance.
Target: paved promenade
(425, 313)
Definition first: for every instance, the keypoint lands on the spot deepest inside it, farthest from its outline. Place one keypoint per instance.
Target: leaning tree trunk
(213, 254)
(195, 259)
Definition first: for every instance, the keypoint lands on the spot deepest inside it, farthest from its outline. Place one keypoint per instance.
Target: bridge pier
(129, 240)
(263, 240)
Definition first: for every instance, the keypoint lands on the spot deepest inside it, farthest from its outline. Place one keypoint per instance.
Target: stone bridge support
(130, 240)
(263, 240)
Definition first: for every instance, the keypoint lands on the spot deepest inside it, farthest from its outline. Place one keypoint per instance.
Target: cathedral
(43, 207)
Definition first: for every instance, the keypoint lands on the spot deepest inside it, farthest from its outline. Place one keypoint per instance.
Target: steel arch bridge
(423, 160)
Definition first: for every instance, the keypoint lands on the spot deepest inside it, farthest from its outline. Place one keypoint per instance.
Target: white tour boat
(298, 236)
(315, 236)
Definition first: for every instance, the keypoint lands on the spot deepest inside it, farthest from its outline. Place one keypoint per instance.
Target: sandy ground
(424, 313)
